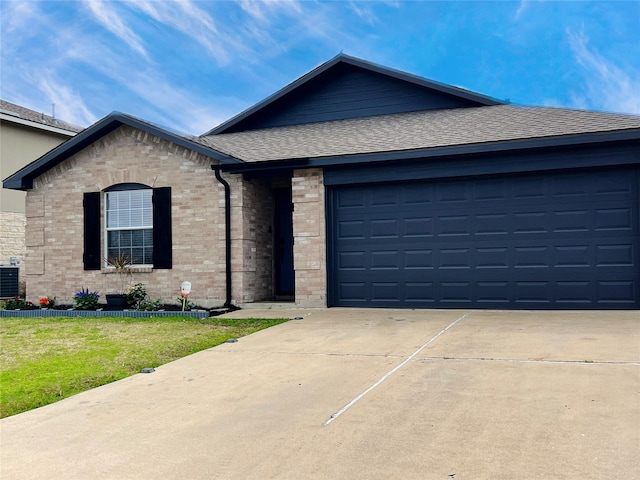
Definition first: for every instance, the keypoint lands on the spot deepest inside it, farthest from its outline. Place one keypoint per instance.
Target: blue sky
(189, 65)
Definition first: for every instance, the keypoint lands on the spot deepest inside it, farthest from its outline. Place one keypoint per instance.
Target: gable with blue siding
(347, 88)
(349, 92)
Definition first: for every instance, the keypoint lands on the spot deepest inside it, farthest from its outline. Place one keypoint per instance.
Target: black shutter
(162, 255)
(91, 255)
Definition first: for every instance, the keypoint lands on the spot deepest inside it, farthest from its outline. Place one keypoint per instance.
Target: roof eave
(23, 178)
(36, 125)
(443, 151)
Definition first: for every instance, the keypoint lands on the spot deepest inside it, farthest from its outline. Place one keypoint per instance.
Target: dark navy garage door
(556, 240)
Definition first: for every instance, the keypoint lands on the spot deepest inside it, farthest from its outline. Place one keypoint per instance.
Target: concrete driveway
(361, 394)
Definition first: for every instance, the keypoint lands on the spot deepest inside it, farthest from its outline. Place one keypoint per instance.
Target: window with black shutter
(137, 225)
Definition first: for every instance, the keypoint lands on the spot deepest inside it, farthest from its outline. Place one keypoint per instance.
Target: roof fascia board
(489, 147)
(23, 178)
(455, 150)
(342, 58)
(36, 125)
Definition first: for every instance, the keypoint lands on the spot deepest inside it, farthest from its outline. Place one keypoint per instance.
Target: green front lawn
(43, 360)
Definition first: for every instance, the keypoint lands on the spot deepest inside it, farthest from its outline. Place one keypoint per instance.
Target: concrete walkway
(361, 394)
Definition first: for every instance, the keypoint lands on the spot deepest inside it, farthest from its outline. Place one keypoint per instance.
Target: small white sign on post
(185, 290)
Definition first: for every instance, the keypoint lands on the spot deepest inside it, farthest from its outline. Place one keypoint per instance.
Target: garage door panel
(570, 221)
(491, 224)
(418, 227)
(491, 191)
(611, 292)
(608, 219)
(385, 260)
(611, 185)
(541, 241)
(387, 292)
(419, 293)
(494, 293)
(351, 230)
(621, 255)
(352, 261)
(492, 258)
(526, 221)
(354, 292)
(558, 255)
(384, 228)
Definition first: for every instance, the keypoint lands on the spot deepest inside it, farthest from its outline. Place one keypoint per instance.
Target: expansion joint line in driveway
(533, 360)
(393, 370)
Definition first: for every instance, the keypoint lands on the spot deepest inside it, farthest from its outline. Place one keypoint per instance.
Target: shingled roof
(416, 130)
(22, 113)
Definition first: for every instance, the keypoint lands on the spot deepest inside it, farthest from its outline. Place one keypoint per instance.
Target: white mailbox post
(185, 290)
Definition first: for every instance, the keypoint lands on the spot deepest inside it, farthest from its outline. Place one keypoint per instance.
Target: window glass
(129, 225)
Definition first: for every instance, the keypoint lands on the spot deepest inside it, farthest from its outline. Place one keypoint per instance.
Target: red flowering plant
(16, 303)
(47, 302)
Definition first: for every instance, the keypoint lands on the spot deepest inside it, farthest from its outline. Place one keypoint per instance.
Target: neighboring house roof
(23, 179)
(320, 72)
(24, 116)
(418, 130)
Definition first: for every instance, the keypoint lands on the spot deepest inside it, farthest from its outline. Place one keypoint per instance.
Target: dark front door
(283, 242)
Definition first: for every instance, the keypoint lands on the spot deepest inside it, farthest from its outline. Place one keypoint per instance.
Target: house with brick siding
(356, 185)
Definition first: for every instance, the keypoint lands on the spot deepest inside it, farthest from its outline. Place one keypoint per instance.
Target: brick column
(309, 233)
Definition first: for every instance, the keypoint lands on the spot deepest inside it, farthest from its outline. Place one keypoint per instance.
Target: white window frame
(145, 224)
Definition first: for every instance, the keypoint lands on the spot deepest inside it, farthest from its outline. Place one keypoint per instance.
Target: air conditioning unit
(9, 286)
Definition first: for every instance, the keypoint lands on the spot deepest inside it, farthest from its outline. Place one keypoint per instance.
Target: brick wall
(54, 233)
(251, 239)
(309, 254)
(54, 230)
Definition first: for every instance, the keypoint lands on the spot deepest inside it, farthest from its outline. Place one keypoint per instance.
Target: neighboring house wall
(12, 244)
(309, 233)
(19, 145)
(127, 155)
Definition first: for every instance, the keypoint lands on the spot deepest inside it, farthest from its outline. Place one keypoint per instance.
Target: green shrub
(17, 303)
(150, 305)
(85, 300)
(136, 296)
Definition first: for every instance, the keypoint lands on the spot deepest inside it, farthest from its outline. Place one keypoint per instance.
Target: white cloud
(69, 106)
(189, 19)
(109, 18)
(363, 11)
(255, 10)
(607, 86)
(521, 8)
(263, 11)
(16, 15)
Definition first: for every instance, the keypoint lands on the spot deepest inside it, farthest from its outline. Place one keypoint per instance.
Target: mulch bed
(106, 310)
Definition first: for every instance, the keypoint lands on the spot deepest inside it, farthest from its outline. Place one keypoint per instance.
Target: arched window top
(121, 187)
